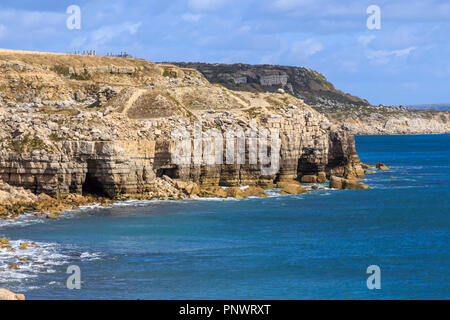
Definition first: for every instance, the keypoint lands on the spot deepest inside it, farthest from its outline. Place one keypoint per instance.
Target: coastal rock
(255, 192)
(382, 166)
(336, 182)
(192, 188)
(115, 141)
(213, 192)
(4, 243)
(309, 178)
(321, 177)
(348, 112)
(293, 189)
(284, 183)
(341, 183)
(9, 295)
(237, 193)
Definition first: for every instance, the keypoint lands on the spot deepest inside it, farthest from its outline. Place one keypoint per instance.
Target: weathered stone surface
(309, 178)
(9, 295)
(321, 177)
(255, 192)
(342, 183)
(293, 189)
(382, 166)
(213, 192)
(115, 140)
(234, 192)
(282, 184)
(351, 113)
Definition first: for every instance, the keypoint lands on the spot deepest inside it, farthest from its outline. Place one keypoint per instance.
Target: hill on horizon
(306, 84)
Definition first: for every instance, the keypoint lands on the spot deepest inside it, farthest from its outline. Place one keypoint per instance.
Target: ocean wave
(18, 267)
(22, 220)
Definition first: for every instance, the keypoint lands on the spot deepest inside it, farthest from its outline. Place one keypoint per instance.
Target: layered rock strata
(351, 113)
(104, 126)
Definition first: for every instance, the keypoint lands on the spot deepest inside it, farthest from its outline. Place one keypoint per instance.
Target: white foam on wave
(31, 261)
(22, 220)
(35, 260)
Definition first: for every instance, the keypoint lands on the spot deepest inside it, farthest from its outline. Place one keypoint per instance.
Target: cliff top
(46, 98)
(307, 84)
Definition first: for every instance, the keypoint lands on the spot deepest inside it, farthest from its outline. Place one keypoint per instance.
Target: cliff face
(306, 84)
(79, 124)
(349, 112)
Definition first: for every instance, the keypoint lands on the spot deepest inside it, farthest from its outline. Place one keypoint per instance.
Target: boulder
(293, 189)
(321, 177)
(24, 246)
(213, 192)
(192, 188)
(44, 197)
(354, 185)
(180, 184)
(309, 178)
(382, 166)
(52, 216)
(367, 166)
(348, 184)
(282, 184)
(336, 182)
(9, 295)
(237, 193)
(4, 241)
(255, 192)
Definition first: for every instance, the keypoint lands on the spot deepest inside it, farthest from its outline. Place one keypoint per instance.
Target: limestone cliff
(103, 125)
(351, 113)
(306, 84)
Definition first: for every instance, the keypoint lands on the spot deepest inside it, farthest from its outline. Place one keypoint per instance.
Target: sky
(406, 61)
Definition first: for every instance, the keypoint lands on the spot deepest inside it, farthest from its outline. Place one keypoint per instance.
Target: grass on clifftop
(27, 144)
(65, 72)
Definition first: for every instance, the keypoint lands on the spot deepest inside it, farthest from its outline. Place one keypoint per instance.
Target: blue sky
(407, 61)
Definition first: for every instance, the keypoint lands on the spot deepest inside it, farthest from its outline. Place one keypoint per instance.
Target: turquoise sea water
(311, 246)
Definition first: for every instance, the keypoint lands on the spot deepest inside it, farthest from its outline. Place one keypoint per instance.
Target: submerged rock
(367, 166)
(341, 183)
(382, 166)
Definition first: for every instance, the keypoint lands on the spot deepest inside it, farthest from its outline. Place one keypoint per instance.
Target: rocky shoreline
(102, 127)
(15, 201)
(77, 130)
(351, 113)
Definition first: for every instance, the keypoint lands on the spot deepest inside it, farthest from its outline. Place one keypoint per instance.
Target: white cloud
(306, 48)
(383, 56)
(31, 18)
(205, 5)
(291, 4)
(366, 39)
(190, 17)
(2, 30)
(106, 34)
(411, 85)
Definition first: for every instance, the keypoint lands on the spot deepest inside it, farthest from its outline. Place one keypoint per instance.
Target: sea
(320, 245)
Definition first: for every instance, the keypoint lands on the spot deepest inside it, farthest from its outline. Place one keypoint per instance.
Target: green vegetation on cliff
(303, 83)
